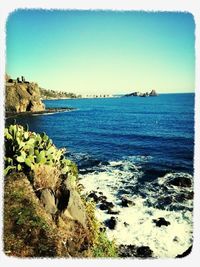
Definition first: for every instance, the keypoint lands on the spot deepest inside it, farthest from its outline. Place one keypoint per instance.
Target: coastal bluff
(44, 213)
(22, 96)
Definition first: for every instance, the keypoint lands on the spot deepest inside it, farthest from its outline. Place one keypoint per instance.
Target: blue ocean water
(107, 129)
(136, 147)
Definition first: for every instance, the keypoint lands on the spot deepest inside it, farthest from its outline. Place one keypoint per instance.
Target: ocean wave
(165, 198)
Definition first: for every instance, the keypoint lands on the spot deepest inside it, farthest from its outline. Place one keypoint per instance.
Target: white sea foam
(140, 230)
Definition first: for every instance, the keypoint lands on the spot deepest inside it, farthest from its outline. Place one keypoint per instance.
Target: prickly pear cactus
(24, 150)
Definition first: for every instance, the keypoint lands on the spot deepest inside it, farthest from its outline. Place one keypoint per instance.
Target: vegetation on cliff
(51, 94)
(44, 214)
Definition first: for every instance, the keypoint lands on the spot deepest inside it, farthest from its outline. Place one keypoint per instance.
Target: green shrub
(101, 246)
(104, 247)
(24, 150)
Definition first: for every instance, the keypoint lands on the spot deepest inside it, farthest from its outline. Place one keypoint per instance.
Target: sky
(105, 52)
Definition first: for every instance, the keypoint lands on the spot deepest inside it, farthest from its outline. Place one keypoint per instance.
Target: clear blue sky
(102, 51)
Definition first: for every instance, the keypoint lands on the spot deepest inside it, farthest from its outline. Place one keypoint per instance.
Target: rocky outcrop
(134, 251)
(161, 222)
(22, 96)
(181, 182)
(34, 228)
(152, 93)
(32, 212)
(111, 223)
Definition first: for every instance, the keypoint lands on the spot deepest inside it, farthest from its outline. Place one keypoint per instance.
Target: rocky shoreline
(127, 250)
(137, 228)
(30, 113)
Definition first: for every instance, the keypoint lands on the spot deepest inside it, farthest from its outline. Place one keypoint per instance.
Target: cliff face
(22, 96)
(43, 211)
(30, 230)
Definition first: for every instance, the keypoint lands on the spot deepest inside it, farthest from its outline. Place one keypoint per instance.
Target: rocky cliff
(44, 213)
(22, 96)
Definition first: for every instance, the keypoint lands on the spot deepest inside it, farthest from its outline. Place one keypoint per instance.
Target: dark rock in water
(113, 212)
(85, 171)
(133, 251)
(185, 253)
(103, 206)
(151, 173)
(127, 251)
(102, 198)
(161, 221)
(189, 195)
(162, 202)
(88, 162)
(176, 239)
(126, 202)
(183, 196)
(94, 196)
(106, 205)
(109, 204)
(111, 223)
(144, 252)
(181, 181)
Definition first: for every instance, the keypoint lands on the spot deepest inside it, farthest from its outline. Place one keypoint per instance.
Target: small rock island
(152, 93)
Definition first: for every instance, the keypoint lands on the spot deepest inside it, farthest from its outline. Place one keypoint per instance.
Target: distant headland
(24, 97)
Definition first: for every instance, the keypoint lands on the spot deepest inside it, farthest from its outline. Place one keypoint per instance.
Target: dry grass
(45, 176)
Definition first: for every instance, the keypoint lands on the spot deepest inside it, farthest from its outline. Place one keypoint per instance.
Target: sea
(141, 148)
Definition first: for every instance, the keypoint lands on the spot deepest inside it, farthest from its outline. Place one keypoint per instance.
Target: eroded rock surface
(22, 97)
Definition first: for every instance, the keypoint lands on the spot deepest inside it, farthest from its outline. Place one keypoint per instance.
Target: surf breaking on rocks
(153, 215)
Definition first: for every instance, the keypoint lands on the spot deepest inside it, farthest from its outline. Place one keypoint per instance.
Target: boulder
(106, 205)
(111, 223)
(126, 251)
(94, 196)
(48, 200)
(113, 212)
(102, 198)
(126, 202)
(181, 181)
(184, 196)
(144, 252)
(161, 222)
(133, 251)
(76, 208)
